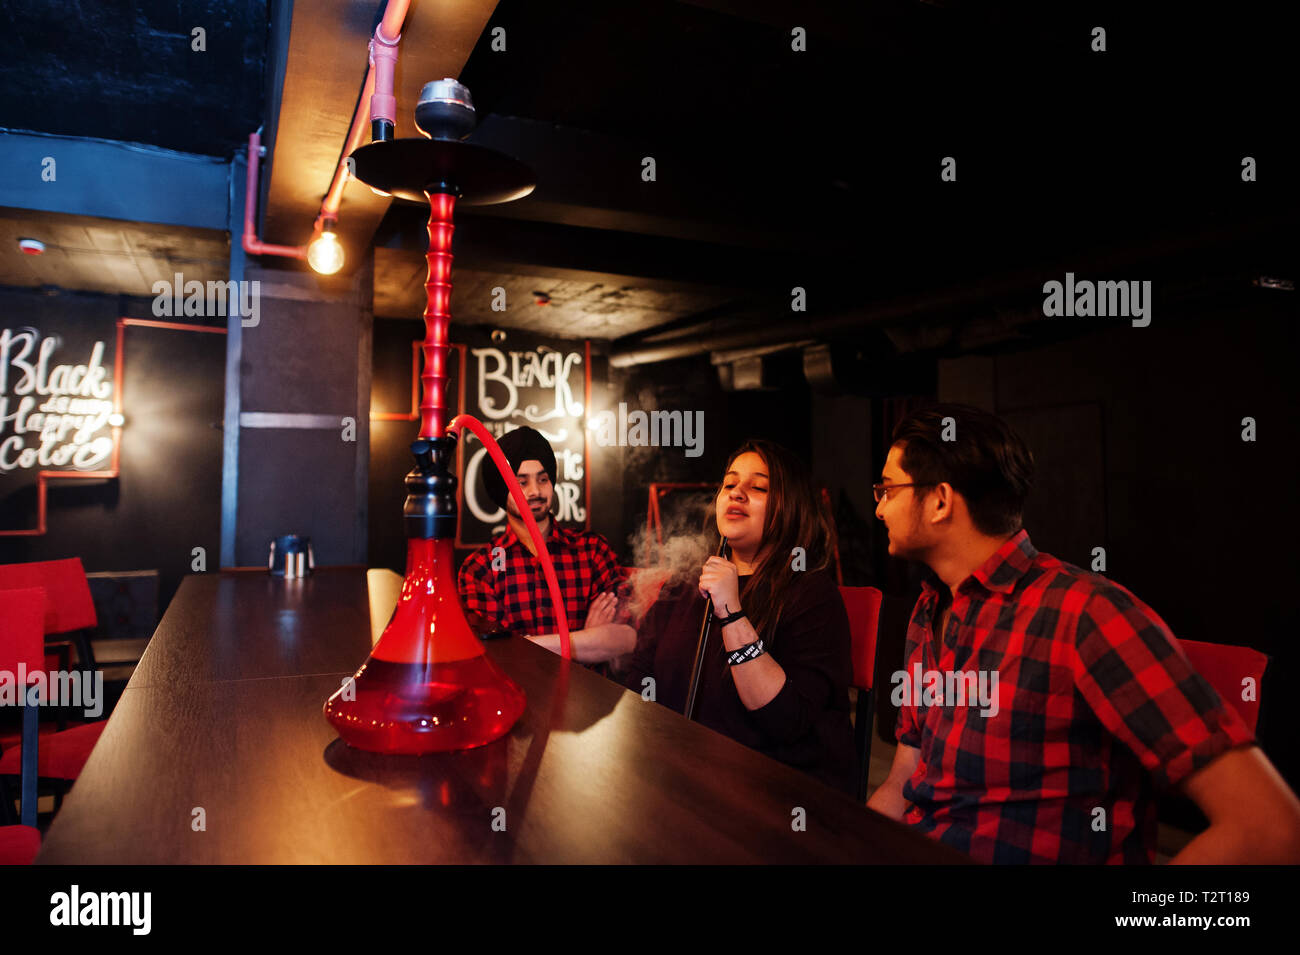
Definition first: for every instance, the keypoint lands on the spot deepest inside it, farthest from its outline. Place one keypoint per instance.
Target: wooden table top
(223, 715)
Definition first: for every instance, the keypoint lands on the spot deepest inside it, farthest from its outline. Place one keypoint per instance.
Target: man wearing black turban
(505, 583)
(524, 446)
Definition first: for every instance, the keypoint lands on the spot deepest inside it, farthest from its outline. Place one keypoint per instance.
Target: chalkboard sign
(540, 386)
(56, 401)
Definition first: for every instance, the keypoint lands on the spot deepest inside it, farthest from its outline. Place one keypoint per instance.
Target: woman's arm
(762, 680)
(758, 681)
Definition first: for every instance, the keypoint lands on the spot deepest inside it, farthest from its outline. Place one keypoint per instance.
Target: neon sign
(52, 415)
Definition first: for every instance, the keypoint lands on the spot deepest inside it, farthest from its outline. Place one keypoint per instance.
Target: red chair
(63, 753)
(19, 844)
(1224, 668)
(863, 606)
(22, 621)
(69, 607)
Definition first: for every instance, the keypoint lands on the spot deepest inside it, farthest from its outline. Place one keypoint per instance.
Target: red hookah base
(417, 708)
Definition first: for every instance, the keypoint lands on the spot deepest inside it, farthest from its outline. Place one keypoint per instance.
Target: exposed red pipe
(394, 17)
(357, 132)
(252, 244)
(383, 63)
(377, 102)
(377, 98)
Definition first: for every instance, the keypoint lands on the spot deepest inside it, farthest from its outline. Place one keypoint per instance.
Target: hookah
(427, 685)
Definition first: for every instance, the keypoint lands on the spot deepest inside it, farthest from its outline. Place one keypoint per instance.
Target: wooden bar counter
(218, 753)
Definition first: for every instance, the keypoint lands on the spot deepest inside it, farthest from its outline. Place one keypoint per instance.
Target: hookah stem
(437, 312)
(697, 668)
(535, 532)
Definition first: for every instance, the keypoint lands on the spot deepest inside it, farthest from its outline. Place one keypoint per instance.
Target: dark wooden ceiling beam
(325, 63)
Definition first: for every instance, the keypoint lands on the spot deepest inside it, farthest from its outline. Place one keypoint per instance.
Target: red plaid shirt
(517, 598)
(1096, 706)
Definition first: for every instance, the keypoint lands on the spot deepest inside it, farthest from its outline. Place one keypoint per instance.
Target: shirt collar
(1000, 572)
(1007, 565)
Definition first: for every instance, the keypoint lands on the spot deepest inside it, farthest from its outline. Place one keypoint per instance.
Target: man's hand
(593, 644)
(602, 610)
(888, 799)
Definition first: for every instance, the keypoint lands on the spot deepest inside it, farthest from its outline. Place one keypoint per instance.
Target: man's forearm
(888, 799)
(1224, 844)
(594, 644)
(1254, 816)
(1214, 846)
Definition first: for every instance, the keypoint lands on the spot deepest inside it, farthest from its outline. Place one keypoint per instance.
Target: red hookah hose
(516, 492)
(437, 319)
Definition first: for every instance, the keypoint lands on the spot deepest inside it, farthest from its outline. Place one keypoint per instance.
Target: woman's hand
(602, 610)
(720, 582)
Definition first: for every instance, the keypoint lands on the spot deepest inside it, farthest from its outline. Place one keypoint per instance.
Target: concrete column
(297, 410)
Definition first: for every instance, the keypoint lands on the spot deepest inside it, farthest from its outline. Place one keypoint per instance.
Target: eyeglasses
(881, 491)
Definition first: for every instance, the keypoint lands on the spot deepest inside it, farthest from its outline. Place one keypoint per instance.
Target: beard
(908, 543)
(540, 509)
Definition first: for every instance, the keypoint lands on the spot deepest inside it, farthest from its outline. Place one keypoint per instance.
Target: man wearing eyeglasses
(1097, 706)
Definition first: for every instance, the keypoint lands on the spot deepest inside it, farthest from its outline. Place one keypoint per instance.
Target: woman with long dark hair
(776, 675)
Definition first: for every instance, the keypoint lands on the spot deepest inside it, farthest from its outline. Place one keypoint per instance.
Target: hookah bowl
(427, 685)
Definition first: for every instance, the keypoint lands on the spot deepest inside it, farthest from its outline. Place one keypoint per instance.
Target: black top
(806, 725)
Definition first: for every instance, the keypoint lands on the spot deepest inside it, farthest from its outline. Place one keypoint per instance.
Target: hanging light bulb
(325, 253)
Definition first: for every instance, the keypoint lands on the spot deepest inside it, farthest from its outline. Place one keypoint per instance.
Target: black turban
(520, 445)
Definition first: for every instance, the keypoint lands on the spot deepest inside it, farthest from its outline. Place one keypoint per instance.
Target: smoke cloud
(690, 537)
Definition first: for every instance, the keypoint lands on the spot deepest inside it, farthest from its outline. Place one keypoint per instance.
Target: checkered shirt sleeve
(475, 586)
(1138, 683)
